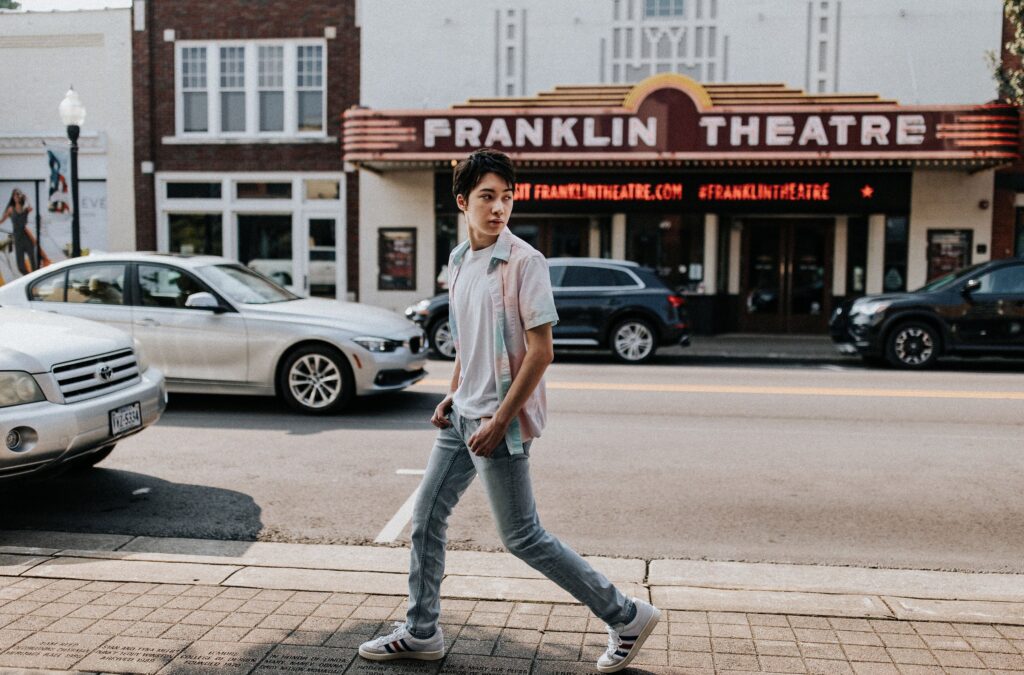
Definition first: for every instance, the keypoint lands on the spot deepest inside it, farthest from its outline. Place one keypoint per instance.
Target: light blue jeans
(506, 478)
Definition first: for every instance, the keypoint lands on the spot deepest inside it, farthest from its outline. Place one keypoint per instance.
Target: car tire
(92, 459)
(316, 380)
(633, 341)
(441, 342)
(912, 345)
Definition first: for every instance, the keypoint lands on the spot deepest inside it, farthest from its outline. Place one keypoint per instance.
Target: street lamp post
(72, 113)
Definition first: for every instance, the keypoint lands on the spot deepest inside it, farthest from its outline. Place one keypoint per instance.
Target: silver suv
(70, 389)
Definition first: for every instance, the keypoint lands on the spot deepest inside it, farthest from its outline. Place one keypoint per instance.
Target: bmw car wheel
(441, 339)
(316, 380)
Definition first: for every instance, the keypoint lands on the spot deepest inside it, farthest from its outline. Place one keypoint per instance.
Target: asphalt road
(805, 464)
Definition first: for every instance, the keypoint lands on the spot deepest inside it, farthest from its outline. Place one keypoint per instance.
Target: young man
(501, 313)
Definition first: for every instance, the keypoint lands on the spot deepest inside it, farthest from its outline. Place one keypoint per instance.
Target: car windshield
(240, 284)
(948, 280)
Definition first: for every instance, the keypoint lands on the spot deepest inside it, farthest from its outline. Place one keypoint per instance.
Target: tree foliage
(1008, 71)
(9, 4)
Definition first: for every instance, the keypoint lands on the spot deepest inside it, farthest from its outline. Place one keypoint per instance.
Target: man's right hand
(440, 418)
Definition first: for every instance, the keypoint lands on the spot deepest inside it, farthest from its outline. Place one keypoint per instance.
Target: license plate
(125, 418)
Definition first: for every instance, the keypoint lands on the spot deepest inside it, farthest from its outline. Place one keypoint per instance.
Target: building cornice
(89, 142)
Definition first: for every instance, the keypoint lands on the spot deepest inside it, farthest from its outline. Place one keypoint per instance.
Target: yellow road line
(777, 391)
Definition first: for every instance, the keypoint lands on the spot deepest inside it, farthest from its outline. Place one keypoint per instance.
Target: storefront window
(672, 245)
(193, 190)
(856, 256)
(265, 245)
(1018, 246)
(321, 189)
(895, 276)
(195, 233)
(264, 190)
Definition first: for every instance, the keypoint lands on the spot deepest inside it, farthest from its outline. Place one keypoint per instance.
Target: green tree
(9, 4)
(1007, 66)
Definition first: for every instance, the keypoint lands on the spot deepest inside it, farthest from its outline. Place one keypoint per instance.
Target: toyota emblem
(104, 373)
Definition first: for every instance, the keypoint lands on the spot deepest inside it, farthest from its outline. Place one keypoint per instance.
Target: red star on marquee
(867, 192)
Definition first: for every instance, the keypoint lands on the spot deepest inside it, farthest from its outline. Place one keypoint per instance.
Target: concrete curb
(672, 584)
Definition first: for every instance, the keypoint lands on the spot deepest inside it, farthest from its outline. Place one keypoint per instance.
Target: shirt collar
(502, 248)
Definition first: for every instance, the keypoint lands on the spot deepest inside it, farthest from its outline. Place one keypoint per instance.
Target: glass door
(808, 292)
(321, 272)
(762, 277)
(785, 269)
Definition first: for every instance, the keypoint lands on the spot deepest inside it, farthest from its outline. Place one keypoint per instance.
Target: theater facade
(764, 205)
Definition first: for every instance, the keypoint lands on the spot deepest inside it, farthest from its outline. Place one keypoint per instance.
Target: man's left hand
(489, 436)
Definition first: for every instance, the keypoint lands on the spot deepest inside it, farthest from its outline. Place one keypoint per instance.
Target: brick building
(237, 105)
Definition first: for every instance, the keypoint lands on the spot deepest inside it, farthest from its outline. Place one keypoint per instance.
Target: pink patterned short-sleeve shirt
(521, 298)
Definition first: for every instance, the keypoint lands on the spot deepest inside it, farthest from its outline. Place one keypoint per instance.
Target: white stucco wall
(41, 55)
(396, 199)
(433, 54)
(947, 200)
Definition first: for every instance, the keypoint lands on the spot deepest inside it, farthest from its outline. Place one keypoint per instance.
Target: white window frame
(179, 91)
(213, 90)
(671, 16)
(230, 207)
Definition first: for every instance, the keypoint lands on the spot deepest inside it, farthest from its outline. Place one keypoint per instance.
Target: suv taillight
(676, 301)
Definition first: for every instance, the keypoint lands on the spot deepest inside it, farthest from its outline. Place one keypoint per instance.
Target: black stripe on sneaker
(619, 652)
(404, 646)
(388, 648)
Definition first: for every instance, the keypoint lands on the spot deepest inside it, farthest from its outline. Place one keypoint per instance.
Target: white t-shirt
(477, 394)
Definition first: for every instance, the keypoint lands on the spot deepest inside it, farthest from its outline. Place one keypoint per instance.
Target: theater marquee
(672, 118)
(701, 192)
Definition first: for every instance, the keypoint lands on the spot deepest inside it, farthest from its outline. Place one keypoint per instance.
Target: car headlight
(870, 307)
(377, 344)
(868, 312)
(140, 356)
(17, 388)
(421, 308)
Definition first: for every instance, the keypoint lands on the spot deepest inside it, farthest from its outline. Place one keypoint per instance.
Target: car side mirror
(203, 300)
(970, 287)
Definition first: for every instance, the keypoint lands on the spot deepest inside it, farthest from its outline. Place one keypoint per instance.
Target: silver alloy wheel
(441, 337)
(315, 381)
(913, 346)
(633, 341)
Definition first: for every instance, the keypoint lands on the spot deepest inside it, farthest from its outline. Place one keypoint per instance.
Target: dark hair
(470, 171)
(10, 202)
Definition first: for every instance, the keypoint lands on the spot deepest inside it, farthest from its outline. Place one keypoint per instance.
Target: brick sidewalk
(118, 627)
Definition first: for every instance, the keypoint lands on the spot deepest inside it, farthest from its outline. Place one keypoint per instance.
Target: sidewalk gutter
(814, 590)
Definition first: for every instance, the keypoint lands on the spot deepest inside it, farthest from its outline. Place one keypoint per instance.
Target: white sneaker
(400, 644)
(623, 645)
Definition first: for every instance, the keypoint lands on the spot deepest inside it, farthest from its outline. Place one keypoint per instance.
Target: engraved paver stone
(464, 664)
(306, 660)
(361, 666)
(217, 658)
(51, 650)
(133, 655)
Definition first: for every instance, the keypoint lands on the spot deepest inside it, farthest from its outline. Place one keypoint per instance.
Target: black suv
(605, 303)
(978, 311)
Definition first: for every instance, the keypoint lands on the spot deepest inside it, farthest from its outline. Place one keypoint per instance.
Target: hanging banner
(59, 172)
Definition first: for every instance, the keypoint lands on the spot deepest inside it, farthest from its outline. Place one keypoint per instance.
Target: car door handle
(147, 322)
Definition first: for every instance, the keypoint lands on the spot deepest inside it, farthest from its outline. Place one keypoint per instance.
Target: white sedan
(69, 390)
(214, 326)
